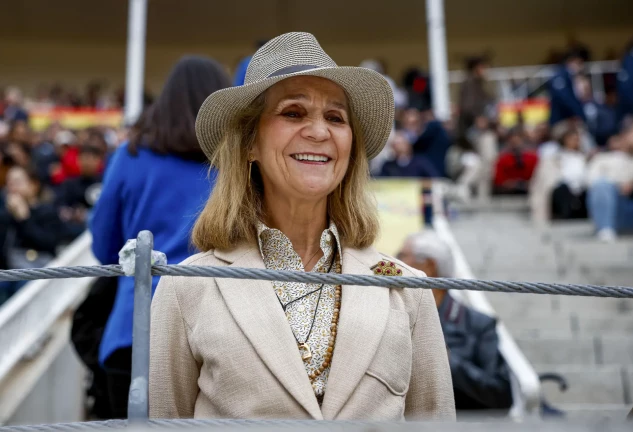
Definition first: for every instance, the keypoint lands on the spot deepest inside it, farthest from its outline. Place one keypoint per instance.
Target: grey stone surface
(597, 308)
(617, 350)
(559, 351)
(614, 324)
(595, 412)
(542, 324)
(588, 340)
(587, 384)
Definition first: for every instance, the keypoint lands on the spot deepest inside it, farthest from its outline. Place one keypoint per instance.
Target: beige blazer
(223, 348)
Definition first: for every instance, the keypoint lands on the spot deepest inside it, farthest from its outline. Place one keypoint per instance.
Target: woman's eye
(335, 119)
(291, 114)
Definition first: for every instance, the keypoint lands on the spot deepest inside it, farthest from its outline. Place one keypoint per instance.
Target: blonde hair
(234, 208)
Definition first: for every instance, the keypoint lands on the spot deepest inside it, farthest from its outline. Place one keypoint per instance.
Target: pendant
(306, 354)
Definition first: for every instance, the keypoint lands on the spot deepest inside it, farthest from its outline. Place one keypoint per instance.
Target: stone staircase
(589, 341)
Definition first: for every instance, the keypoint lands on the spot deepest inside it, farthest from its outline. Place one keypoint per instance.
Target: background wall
(56, 41)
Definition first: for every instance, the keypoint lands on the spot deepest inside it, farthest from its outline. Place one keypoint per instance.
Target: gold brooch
(386, 268)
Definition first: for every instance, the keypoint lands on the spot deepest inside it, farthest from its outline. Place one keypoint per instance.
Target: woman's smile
(311, 158)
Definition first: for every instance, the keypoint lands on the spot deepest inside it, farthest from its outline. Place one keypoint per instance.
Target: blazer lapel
(256, 310)
(362, 322)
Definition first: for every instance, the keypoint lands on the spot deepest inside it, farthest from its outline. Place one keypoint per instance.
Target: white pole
(437, 59)
(135, 67)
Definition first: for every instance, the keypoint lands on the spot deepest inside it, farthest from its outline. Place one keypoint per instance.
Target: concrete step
(511, 306)
(589, 384)
(580, 350)
(594, 412)
(543, 325)
(560, 351)
(616, 350)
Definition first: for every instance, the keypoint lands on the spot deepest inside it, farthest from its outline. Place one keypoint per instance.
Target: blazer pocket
(392, 363)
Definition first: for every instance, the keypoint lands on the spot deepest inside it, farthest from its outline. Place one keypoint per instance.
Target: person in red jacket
(68, 151)
(515, 165)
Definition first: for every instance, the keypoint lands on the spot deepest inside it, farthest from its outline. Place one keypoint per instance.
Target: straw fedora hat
(297, 54)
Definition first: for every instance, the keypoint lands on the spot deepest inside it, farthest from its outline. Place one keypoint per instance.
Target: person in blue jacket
(625, 84)
(564, 101)
(242, 66)
(158, 181)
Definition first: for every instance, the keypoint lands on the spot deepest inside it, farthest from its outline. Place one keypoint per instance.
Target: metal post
(138, 404)
(135, 67)
(437, 59)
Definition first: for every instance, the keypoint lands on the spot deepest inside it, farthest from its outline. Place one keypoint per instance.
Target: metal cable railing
(330, 278)
(138, 408)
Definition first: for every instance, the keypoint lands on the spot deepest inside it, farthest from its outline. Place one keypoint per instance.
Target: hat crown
(285, 51)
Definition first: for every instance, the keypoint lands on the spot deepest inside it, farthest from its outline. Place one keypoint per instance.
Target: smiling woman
(292, 148)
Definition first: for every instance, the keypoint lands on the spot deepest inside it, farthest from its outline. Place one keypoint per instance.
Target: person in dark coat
(30, 229)
(474, 99)
(76, 196)
(481, 378)
(405, 163)
(433, 143)
(625, 84)
(564, 100)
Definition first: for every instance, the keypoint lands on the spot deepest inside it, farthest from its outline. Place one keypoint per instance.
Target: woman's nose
(316, 130)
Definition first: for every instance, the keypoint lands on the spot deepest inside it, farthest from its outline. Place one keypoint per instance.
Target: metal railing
(139, 399)
(518, 83)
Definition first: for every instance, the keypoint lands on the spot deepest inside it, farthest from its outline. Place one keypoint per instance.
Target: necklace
(304, 348)
(327, 358)
(311, 258)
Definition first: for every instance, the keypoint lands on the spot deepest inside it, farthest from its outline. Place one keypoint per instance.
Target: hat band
(292, 69)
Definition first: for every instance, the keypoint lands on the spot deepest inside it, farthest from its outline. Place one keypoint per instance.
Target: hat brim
(369, 95)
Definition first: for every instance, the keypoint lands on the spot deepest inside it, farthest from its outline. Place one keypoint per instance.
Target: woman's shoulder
(202, 259)
(408, 300)
(191, 292)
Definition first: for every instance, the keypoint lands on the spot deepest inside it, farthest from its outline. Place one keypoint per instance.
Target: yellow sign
(75, 119)
(534, 112)
(400, 210)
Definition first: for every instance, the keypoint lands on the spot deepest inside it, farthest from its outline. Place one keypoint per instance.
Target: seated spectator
(481, 379)
(601, 119)
(44, 154)
(464, 166)
(405, 163)
(433, 141)
(610, 195)
(13, 106)
(515, 165)
(30, 229)
(486, 144)
(67, 147)
(77, 195)
(558, 188)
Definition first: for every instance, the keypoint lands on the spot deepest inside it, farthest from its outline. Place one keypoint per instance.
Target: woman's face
(572, 141)
(19, 183)
(304, 138)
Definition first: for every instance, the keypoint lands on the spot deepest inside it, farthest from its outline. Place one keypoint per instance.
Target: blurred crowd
(49, 181)
(578, 164)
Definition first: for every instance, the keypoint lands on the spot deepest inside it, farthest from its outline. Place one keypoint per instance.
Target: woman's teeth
(309, 157)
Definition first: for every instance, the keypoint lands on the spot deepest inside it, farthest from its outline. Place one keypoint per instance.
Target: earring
(251, 159)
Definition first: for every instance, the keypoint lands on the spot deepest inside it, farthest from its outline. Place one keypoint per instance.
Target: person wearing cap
(292, 148)
(481, 378)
